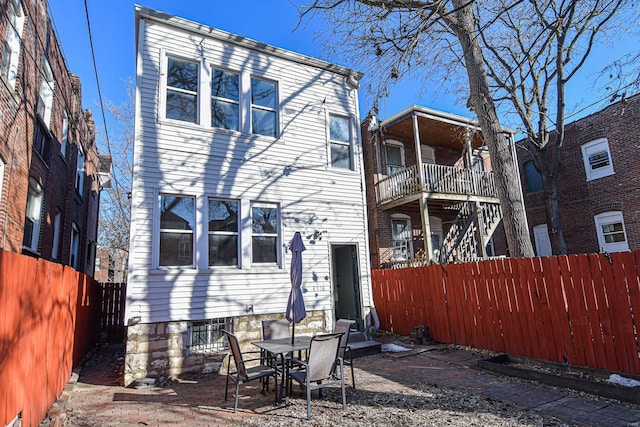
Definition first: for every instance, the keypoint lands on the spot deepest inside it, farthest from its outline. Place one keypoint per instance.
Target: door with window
(346, 283)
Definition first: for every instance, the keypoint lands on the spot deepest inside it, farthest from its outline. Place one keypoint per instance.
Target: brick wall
(580, 199)
(53, 170)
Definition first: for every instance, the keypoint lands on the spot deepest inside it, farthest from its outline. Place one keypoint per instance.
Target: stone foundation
(159, 350)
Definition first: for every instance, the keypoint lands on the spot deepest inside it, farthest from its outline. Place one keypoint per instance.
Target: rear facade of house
(238, 145)
(598, 189)
(49, 189)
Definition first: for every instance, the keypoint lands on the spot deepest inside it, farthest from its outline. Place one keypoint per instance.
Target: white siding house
(238, 145)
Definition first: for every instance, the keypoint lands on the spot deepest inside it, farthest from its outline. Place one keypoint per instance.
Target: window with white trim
(610, 229)
(11, 47)
(176, 231)
(597, 159)
(45, 95)
(1, 176)
(223, 232)
(542, 241)
(80, 171)
(65, 136)
(56, 235)
(75, 246)
(340, 141)
(33, 216)
(402, 247)
(395, 158)
(181, 100)
(225, 100)
(264, 107)
(265, 233)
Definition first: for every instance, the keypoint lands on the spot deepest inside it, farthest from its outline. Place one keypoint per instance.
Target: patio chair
(321, 368)
(244, 373)
(344, 326)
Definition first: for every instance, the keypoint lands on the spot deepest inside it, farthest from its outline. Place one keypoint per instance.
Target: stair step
(365, 348)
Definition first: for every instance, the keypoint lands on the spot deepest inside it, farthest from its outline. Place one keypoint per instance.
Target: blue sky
(272, 22)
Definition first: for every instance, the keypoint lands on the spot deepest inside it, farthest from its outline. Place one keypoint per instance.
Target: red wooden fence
(112, 302)
(580, 309)
(47, 324)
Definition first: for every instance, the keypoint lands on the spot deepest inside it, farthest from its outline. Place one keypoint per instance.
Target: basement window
(206, 336)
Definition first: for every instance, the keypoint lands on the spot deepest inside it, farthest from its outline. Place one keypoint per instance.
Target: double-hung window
(65, 136)
(11, 48)
(45, 95)
(182, 90)
(33, 216)
(264, 107)
(225, 100)
(340, 141)
(56, 235)
(223, 232)
(80, 172)
(611, 232)
(75, 246)
(395, 158)
(265, 233)
(597, 159)
(177, 220)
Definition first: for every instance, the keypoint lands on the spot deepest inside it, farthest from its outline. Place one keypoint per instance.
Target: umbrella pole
(293, 331)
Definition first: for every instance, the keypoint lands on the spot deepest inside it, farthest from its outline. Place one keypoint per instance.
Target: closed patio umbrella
(295, 307)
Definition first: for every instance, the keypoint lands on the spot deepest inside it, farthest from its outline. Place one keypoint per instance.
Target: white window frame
(235, 233)
(348, 144)
(276, 110)
(65, 136)
(608, 218)
(80, 165)
(166, 89)
(45, 94)
(395, 144)
(594, 147)
(277, 234)
(56, 235)
(12, 41)
(192, 232)
(1, 178)
(542, 241)
(409, 241)
(227, 100)
(34, 213)
(74, 250)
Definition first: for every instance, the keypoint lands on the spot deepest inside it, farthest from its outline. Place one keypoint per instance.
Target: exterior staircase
(461, 242)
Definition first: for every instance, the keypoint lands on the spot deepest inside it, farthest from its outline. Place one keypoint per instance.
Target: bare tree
(393, 38)
(532, 50)
(114, 220)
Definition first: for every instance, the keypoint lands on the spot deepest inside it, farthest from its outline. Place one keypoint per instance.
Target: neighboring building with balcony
(598, 190)
(430, 191)
(49, 191)
(238, 145)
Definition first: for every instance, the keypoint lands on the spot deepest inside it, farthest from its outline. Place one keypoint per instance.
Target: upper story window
(223, 232)
(65, 136)
(80, 171)
(428, 155)
(56, 234)
(75, 246)
(11, 48)
(45, 95)
(177, 219)
(225, 100)
(340, 141)
(597, 159)
(265, 233)
(182, 90)
(264, 107)
(33, 216)
(532, 178)
(611, 232)
(395, 158)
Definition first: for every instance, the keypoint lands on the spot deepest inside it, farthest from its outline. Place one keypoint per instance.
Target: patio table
(281, 347)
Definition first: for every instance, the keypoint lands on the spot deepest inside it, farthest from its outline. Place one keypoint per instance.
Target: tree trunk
(505, 172)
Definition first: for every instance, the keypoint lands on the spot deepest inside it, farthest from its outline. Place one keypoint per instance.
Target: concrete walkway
(97, 400)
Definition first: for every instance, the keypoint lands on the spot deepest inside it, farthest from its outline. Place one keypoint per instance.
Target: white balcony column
(424, 209)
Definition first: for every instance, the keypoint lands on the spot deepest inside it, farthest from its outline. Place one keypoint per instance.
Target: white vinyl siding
(206, 162)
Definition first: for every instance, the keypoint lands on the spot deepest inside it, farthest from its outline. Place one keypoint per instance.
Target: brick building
(111, 265)
(48, 158)
(598, 187)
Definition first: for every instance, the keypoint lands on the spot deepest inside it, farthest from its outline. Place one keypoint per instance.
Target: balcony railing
(439, 181)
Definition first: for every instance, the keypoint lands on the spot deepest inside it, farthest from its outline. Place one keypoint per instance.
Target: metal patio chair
(344, 326)
(323, 367)
(244, 373)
